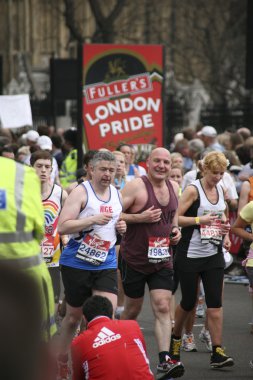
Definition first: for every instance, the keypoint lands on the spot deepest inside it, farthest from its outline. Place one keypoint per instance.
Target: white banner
(15, 111)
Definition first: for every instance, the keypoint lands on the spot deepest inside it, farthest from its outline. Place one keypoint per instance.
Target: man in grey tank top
(150, 204)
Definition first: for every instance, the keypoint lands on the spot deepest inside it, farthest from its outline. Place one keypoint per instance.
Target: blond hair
(215, 161)
(118, 153)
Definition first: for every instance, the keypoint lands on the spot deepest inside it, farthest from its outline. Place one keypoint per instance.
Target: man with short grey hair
(90, 215)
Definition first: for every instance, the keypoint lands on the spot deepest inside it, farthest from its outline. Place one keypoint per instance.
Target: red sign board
(122, 95)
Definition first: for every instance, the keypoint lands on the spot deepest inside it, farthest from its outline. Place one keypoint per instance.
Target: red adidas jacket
(110, 349)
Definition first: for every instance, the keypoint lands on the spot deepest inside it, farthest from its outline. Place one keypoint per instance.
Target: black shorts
(79, 283)
(134, 282)
(56, 281)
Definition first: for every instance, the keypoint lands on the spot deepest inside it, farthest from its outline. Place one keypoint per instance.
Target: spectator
(69, 164)
(57, 149)
(182, 147)
(189, 133)
(244, 132)
(109, 349)
(43, 130)
(7, 151)
(177, 159)
(31, 137)
(236, 140)
(87, 167)
(45, 143)
(196, 148)
(22, 153)
(132, 170)
(208, 134)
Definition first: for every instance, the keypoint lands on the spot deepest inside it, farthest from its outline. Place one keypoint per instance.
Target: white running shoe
(188, 343)
(200, 311)
(204, 336)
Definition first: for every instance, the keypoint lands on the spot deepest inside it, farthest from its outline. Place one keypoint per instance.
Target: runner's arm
(238, 229)
(175, 229)
(244, 195)
(64, 238)
(129, 196)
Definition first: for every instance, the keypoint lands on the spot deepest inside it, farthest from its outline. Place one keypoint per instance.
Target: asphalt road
(236, 338)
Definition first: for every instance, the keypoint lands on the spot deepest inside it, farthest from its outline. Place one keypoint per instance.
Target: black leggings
(213, 284)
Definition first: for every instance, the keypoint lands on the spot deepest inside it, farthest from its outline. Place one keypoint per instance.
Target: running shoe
(205, 337)
(175, 345)
(170, 368)
(188, 343)
(219, 359)
(200, 311)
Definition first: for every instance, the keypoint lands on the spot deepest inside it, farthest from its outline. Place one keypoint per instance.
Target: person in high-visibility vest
(21, 230)
(69, 164)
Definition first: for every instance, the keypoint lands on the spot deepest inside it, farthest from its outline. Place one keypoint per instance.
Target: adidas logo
(105, 336)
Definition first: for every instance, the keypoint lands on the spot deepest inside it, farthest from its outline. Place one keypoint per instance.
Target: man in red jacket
(109, 349)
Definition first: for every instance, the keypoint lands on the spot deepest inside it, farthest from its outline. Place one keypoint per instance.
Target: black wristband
(175, 227)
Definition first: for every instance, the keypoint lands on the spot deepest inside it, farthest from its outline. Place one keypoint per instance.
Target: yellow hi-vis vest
(21, 211)
(68, 169)
(22, 228)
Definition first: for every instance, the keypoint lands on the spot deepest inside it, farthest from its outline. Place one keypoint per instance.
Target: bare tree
(75, 30)
(204, 40)
(104, 19)
(105, 24)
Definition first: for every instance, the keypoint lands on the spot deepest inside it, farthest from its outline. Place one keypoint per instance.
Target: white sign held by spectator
(15, 111)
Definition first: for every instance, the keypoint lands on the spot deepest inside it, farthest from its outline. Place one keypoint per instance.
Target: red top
(110, 349)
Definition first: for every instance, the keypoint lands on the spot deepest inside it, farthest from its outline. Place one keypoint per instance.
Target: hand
(103, 218)
(151, 215)
(175, 236)
(209, 219)
(227, 243)
(64, 240)
(225, 227)
(121, 226)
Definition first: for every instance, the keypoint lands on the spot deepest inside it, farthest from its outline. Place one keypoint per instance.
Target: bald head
(159, 164)
(159, 151)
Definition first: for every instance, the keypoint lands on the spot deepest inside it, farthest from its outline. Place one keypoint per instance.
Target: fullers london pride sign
(122, 95)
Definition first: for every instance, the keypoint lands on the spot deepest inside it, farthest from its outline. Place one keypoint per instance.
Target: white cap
(45, 143)
(178, 136)
(32, 136)
(208, 131)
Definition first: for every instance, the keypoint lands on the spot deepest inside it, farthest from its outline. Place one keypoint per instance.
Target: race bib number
(158, 250)
(211, 233)
(47, 249)
(93, 250)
